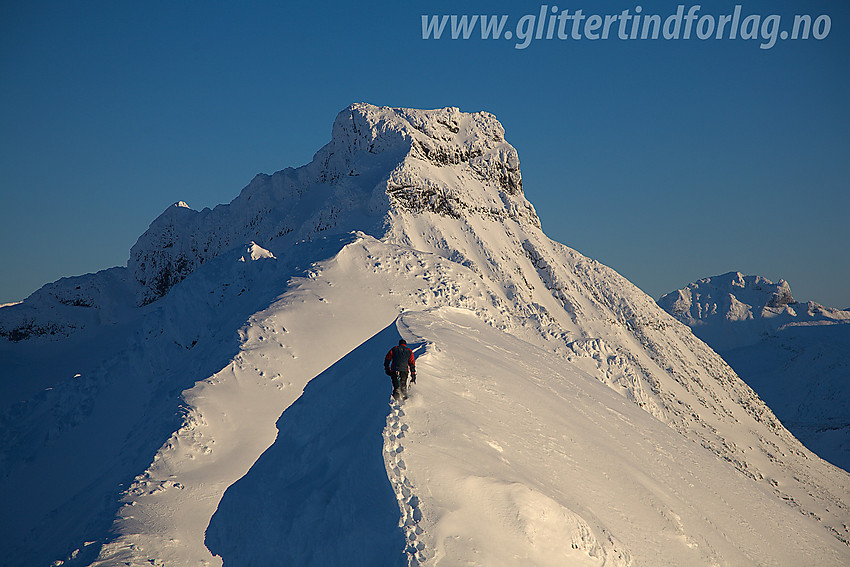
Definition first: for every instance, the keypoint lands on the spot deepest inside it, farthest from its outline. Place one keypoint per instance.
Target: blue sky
(667, 160)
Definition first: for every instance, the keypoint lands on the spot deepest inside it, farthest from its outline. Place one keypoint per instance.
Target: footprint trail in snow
(409, 504)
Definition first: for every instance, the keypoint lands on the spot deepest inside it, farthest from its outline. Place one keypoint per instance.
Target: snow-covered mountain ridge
(376, 160)
(796, 355)
(225, 321)
(733, 310)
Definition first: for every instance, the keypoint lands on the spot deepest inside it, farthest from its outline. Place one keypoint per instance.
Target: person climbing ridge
(396, 365)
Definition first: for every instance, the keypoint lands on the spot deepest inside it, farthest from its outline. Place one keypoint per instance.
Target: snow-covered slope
(796, 355)
(733, 310)
(503, 456)
(562, 416)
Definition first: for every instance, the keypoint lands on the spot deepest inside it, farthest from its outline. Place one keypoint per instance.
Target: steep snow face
(246, 304)
(733, 310)
(560, 300)
(379, 159)
(795, 355)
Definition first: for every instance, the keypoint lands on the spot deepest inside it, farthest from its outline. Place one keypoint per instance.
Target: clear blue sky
(667, 160)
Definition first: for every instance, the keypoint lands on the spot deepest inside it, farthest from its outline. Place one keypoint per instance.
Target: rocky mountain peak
(380, 162)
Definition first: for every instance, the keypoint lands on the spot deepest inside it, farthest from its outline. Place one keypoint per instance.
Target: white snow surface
(796, 355)
(221, 400)
(733, 310)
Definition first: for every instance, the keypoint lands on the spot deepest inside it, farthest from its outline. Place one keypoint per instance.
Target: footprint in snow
(409, 504)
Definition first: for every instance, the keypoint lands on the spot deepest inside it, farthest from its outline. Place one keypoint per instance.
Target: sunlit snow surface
(222, 399)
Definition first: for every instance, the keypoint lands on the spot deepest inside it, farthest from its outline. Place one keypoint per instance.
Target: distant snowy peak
(732, 296)
(733, 310)
(380, 162)
(61, 308)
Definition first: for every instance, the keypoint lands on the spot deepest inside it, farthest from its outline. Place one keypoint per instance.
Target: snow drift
(214, 396)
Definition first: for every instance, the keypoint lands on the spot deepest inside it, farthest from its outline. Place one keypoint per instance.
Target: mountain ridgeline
(377, 162)
(407, 219)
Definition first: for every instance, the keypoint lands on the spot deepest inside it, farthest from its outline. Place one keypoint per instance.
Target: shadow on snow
(67, 454)
(320, 494)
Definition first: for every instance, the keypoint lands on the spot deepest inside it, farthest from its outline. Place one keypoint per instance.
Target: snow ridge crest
(380, 161)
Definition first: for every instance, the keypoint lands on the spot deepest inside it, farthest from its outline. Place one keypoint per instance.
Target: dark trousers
(400, 381)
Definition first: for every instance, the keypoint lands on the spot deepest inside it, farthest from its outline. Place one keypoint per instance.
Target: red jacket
(399, 359)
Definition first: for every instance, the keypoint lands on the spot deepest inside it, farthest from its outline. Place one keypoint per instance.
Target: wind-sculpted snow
(562, 417)
(110, 400)
(577, 475)
(604, 325)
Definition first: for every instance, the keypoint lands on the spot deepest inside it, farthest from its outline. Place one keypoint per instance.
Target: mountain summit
(379, 164)
(733, 310)
(221, 398)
